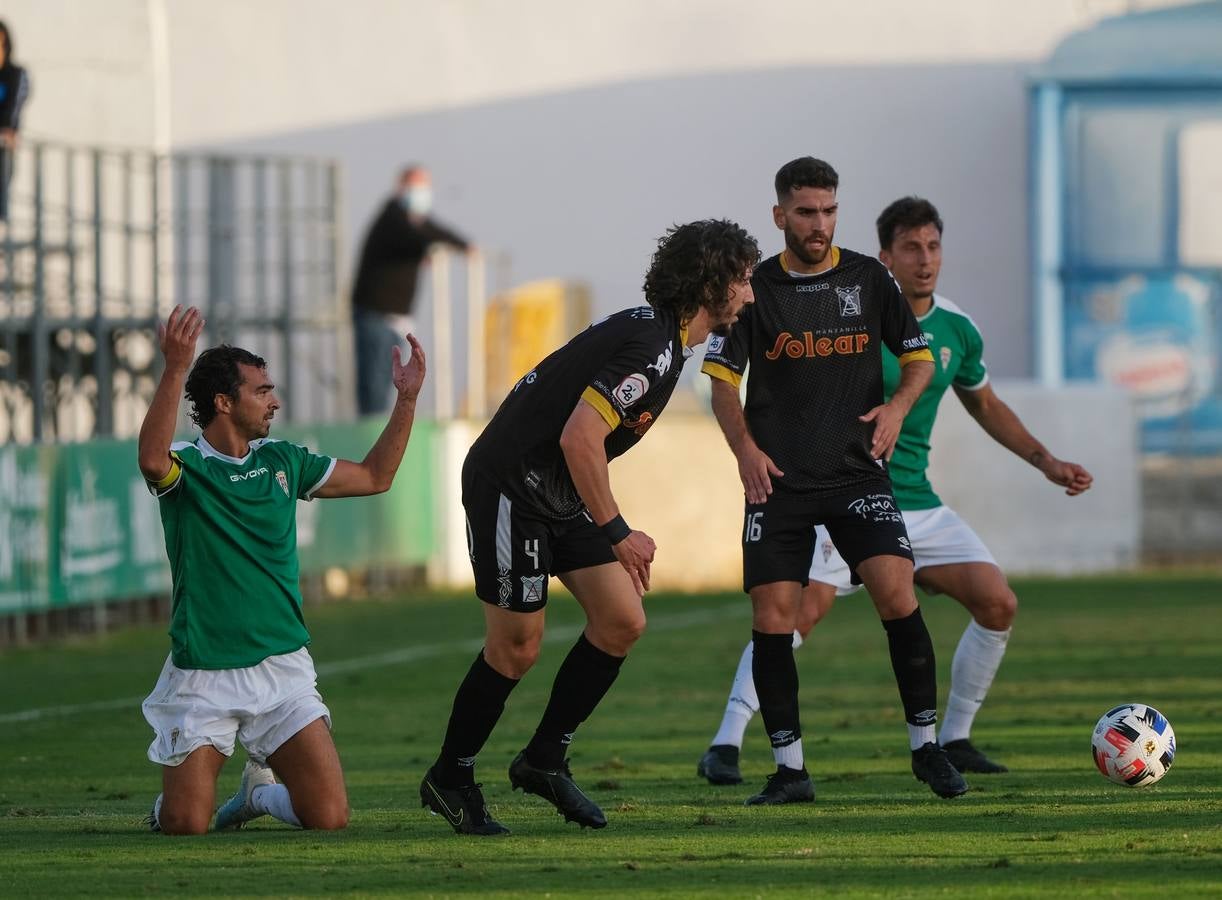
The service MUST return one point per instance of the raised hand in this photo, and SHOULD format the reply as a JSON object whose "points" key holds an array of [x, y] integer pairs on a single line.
{"points": [[409, 376], [177, 337]]}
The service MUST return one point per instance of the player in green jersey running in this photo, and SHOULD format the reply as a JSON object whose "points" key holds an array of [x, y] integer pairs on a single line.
{"points": [[239, 669], [949, 557]]}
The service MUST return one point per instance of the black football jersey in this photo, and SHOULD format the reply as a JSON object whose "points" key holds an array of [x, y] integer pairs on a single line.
{"points": [[813, 344], [625, 366]]}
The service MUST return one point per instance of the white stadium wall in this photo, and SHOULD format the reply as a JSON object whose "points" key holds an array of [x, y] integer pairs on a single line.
{"points": [[566, 136], [681, 486]]}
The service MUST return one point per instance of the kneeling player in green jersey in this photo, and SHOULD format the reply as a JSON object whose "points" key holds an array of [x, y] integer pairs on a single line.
{"points": [[538, 502], [238, 669], [949, 557]]}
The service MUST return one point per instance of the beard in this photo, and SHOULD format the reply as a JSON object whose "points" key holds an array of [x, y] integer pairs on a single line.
{"points": [[798, 248], [722, 330]]}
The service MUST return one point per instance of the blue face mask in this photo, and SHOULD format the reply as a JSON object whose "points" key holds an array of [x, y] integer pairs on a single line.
{"points": [[418, 199]]}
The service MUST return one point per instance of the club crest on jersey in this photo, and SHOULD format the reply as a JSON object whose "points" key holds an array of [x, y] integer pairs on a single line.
{"points": [[283, 481], [662, 366], [631, 389], [640, 424], [828, 547], [532, 588], [945, 354], [850, 300]]}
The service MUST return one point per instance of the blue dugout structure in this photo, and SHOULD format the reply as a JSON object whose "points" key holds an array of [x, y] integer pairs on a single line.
{"points": [[1127, 218]]}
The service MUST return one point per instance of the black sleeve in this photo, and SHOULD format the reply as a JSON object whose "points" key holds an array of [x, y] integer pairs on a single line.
{"points": [[901, 332], [436, 233], [628, 375], [726, 358]]}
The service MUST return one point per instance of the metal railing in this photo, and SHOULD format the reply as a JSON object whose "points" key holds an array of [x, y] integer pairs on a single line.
{"points": [[101, 243]]}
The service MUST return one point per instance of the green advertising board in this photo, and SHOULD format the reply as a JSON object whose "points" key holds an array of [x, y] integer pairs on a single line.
{"points": [[79, 526]]}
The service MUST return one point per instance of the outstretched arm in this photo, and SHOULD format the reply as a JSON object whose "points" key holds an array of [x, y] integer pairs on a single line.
{"points": [[177, 338], [1004, 426], [376, 472], [585, 454], [755, 467]]}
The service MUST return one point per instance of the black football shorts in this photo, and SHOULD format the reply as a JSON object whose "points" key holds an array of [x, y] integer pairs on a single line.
{"points": [[779, 536], [514, 549]]}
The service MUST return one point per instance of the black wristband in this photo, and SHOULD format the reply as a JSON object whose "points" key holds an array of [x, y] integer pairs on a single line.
{"points": [[616, 530]]}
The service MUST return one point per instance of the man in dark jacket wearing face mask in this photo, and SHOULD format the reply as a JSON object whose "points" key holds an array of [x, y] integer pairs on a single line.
{"points": [[385, 289]]}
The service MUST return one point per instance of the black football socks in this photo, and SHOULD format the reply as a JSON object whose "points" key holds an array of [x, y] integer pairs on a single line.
{"points": [[478, 705], [776, 683], [583, 679], [915, 672]]}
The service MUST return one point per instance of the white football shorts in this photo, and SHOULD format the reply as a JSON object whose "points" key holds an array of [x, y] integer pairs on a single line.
{"points": [[262, 706], [938, 536]]}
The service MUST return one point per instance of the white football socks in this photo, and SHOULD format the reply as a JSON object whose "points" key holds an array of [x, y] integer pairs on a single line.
{"points": [[157, 809], [976, 661], [274, 800], [744, 702], [790, 756], [920, 735]]}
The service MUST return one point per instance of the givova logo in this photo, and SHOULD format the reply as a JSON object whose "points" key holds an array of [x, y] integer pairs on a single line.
{"points": [[253, 473]]}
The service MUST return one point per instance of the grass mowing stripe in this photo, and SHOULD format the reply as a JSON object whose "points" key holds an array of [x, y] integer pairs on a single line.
{"points": [[388, 658]]}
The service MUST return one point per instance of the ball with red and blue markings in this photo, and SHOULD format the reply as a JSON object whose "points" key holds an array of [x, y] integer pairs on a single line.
{"points": [[1133, 745]]}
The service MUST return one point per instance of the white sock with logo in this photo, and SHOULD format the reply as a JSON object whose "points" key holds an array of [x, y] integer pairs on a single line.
{"points": [[274, 800], [976, 661], [744, 702], [789, 756]]}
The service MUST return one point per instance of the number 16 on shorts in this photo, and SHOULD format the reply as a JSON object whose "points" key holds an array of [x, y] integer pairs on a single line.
{"points": [[753, 527]]}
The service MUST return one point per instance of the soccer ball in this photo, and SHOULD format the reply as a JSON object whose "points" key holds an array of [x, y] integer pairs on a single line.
{"points": [[1133, 745]]}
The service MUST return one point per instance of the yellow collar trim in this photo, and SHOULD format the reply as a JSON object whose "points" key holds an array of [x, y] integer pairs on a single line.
{"points": [[835, 261]]}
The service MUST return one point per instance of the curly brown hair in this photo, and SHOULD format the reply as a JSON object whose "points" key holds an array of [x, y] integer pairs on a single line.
{"points": [[216, 372], [696, 263]]}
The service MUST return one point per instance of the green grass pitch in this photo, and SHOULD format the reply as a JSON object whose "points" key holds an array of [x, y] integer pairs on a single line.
{"points": [[74, 782]]}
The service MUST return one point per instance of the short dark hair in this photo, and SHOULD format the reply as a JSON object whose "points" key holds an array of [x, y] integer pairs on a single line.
{"points": [[216, 372], [695, 265], [805, 171], [905, 214]]}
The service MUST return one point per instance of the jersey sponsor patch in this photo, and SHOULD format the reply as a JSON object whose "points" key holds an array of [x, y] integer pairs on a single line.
{"points": [[716, 342], [631, 389]]}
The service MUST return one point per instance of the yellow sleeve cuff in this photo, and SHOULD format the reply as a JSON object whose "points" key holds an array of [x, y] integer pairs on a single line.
{"points": [[916, 356], [605, 409], [721, 373]]}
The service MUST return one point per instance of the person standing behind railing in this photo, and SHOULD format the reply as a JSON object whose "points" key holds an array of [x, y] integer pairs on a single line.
{"points": [[384, 293], [14, 89]]}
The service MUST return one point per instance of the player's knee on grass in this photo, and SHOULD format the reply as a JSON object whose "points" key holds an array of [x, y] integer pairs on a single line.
{"points": [[329, 815], [184, 821]]}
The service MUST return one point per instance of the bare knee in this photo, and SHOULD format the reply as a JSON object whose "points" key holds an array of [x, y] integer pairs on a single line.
{"points": [[617, 637], [327, 817], [996, 610], [512, 658], [183, 822]]}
